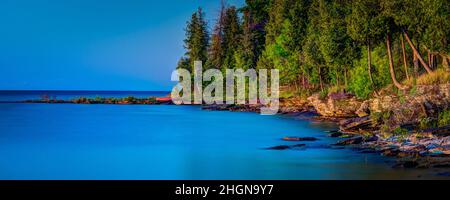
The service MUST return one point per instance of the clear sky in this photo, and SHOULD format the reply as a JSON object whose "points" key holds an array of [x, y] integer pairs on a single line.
{"points": [[94, 44]]}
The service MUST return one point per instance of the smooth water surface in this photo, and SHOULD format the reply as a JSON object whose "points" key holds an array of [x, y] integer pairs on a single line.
{"points": [[21, 95], [69, 141]]}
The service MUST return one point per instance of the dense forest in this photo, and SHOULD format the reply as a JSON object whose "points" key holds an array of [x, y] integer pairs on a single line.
{"points": [[357, 46]]}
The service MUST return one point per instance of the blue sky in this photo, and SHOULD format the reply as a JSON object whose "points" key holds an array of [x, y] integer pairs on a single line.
{"points": [[94, 44]]}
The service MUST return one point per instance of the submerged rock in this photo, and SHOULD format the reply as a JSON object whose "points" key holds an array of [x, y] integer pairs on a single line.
{"points": [[298, 145], [335, 134], [285, 147], [299, 139], [280, 147]]}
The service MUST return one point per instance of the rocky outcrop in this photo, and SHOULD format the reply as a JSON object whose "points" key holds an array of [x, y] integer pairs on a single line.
{"points": [[357, 125], [406, 108], [341, 105], [295, 105], [424, 101]]}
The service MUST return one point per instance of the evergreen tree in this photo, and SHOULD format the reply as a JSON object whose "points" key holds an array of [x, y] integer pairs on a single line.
{"points": [[258, 14], [245, 55], [197, 38], [231, 37], [216, 50], [366, 25], [314, 59], [336, 45], [324, 43]]}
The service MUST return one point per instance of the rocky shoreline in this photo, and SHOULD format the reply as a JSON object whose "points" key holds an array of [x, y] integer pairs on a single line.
{"points": [[390, 124]]}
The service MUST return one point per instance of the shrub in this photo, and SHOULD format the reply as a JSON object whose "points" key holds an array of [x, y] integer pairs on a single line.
{"points": [[400, 132], [323, 94], [359, 82], [444, 118], [427, 122], [376, 117]]}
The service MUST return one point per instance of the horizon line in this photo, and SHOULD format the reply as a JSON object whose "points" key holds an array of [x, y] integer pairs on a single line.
{"points": [[71, 90]]}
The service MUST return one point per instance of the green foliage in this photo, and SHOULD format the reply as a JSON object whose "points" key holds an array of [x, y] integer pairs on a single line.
{"points": [[427, 122], [231, 37], [359, 82], [183, 63], [376, 117], [366, 23], [386, 116], [129, 99], [400, 132], [323, 94], [444, 118], [322, 45], [197, 39]]}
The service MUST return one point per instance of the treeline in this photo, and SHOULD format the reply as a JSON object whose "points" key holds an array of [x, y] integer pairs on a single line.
{"points": [[323, 45]]}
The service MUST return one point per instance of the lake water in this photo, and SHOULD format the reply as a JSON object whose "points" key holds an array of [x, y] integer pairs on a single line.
{"points": [[68, 141]]}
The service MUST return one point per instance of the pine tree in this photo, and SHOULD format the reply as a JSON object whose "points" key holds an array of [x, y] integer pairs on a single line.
{"points": [[258, 14], [197, 38], [245, 55], [216, 50], [231, 37], [337, 47], [367, 25]]}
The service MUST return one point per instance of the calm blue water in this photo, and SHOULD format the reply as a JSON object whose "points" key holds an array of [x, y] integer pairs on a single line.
{"points": [[6, 96], [65, 141]]}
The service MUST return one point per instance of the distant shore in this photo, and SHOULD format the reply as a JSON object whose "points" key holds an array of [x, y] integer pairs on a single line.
{"points": [[101, 100]]}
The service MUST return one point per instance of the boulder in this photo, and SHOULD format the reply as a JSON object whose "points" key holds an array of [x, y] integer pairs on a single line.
{"points": [[411, 106], [439, 132], [340, 105], [363, 110], [356, 124]]}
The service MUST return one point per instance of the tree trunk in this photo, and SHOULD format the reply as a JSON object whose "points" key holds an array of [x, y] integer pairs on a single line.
{"points": [[445, 62], [345, 77], [405, 62], [432, 66], [320, 79], [337, 78], [417, 53], [369, 65], [296, 85], [391, 64], [434, 61], [416, 65], [303, 81]]}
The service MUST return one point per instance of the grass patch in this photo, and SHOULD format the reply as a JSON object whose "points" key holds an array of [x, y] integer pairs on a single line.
{"points": [[439, 76]]}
